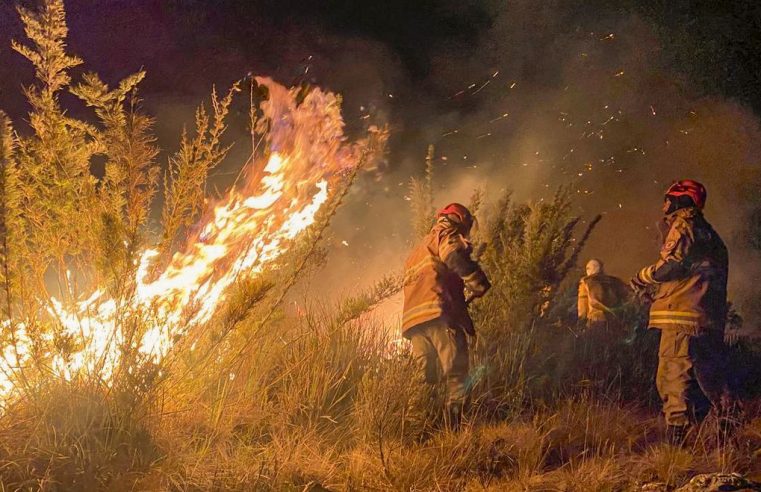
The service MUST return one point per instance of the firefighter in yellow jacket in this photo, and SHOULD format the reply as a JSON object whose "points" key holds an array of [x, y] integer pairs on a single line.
{"points": [[600, 302], [435, 317], [600, 296], [688, 290]]}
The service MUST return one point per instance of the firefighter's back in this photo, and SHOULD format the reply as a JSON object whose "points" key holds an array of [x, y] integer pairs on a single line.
{"points": [[421, 283]]}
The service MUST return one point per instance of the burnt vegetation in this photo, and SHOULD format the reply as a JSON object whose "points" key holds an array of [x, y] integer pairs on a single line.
{"points": [[269, 401]]}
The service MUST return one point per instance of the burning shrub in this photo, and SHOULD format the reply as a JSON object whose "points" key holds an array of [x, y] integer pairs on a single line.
{"points": [[141, 327]]}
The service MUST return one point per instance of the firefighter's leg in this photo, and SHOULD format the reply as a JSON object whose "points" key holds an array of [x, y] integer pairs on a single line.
{"points": [[674, 378], [425, 354], [596, 350], [452, 347]]}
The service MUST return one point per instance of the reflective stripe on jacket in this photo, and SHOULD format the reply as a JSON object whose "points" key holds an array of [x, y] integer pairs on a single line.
{"points": [[435, 276], [690, 276]]}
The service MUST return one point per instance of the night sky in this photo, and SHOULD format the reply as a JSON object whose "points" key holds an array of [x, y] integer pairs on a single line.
{"points": [[187, 45], [617, 97]]}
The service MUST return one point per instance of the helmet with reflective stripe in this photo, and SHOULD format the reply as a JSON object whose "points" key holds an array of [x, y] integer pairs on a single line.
{"points": [[457, 213], [690, 188]]}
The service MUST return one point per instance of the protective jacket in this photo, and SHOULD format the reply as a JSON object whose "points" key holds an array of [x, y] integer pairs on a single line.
{"points": [[600, 296], [436, 273], [690, 277]]}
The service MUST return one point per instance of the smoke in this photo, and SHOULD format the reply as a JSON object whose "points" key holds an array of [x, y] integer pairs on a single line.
{"points": [[529, 96], [549, 96]]}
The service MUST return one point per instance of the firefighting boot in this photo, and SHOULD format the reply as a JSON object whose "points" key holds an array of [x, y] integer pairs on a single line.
{"points": [[676, 435]]}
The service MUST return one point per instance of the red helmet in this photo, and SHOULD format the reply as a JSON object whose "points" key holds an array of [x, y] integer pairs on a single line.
{"points": [[690, 188], [461, 212]]}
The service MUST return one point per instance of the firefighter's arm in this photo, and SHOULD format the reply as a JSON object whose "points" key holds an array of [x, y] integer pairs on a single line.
{"points": [[673, 262], [455, 251], [583, 302]]}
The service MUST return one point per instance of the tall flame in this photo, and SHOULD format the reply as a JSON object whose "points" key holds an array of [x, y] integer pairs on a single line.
{"points": [[252, 226]]}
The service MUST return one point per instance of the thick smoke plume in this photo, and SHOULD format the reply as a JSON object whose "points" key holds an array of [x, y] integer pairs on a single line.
{"points": [[547, 98]]}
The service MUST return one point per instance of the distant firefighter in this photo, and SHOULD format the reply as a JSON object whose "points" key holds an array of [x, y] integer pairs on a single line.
{"points": [[688, 290], [601, 296], [435, 317]]}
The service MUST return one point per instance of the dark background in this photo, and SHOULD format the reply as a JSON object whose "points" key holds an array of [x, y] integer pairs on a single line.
{"points": [[716, 43]]}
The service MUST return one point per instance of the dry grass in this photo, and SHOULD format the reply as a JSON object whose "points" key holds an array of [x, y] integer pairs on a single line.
{"points": [[668, 464]]}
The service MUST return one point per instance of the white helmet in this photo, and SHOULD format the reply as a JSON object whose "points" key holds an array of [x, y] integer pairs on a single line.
{"points": [[594, 266]]}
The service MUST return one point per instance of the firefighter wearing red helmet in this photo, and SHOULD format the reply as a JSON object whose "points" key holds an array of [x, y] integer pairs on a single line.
{"points": [[435, 315], [688, 290]]}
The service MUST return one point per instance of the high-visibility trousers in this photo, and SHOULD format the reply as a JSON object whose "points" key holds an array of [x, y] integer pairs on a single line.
{"points": [[692, 375], [441, 353]]}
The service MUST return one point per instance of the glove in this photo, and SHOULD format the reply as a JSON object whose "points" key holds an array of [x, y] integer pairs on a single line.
{"points": [[637, 285], [477, 283], [642, 290]]}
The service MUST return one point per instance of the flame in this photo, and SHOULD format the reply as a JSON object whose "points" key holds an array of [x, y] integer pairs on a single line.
{"points": [[252, 226]]}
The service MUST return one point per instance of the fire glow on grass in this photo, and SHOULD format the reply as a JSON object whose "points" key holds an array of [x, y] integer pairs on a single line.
{"points": [[252, 226]]}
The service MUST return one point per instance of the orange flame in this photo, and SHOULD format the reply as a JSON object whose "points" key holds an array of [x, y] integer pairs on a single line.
{"points": [[252, 226]]}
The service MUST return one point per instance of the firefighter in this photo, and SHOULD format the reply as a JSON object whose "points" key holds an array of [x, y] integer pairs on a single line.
{"points": [[688, 290], [601, 297], [435, 315]]}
